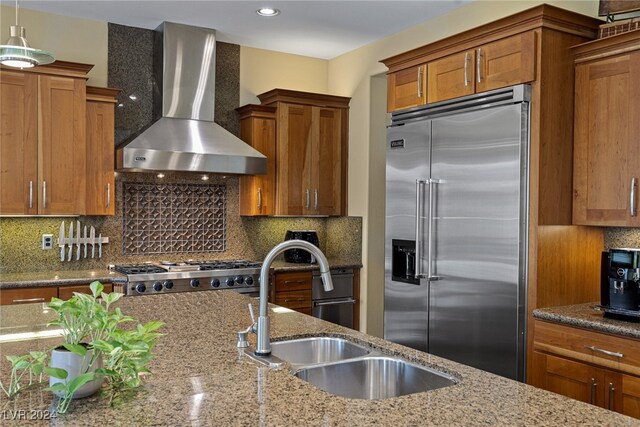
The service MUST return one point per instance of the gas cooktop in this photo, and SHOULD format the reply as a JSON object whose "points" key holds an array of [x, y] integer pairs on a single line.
{"points": [[190, 275]]}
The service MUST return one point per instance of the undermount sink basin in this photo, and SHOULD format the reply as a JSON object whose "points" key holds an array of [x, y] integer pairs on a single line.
{"points": [[309, 351], [374, 378]]}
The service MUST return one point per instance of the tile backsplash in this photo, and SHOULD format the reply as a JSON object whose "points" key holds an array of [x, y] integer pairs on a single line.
{"points": [[173, 218]]}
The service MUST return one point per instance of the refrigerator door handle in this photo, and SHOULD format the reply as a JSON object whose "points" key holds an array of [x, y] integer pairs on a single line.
{"points": [[430, 251], [419, 184]]}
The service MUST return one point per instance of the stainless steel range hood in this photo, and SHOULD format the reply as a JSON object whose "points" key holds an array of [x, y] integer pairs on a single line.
{"points": [[185, 137]]}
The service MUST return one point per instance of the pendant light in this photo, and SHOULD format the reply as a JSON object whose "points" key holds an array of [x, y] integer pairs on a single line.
{"points": [[17, 53]]}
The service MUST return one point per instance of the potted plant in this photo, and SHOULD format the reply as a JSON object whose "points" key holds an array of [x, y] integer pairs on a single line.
{"points": [[95, 348]]}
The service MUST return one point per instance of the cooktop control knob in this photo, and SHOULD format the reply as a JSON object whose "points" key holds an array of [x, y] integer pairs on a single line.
{"points": [[157, 286], [168, 284], [215, 283], [140, 287], [230, 282], [249, 281], [239, 280], [194, 283]]}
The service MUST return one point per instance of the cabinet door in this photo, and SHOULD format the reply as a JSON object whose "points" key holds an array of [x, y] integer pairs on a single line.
{"points": [[568, 378], [622, 393], [505, 62], [18, 143], [100, 159], [257, 192], [66, 292], [326, 176], [28, 295], [451, 77], [606, 148], [62, 145], [407, 88], [294, 159]]}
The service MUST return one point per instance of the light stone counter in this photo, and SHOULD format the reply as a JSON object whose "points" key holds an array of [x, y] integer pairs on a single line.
{"points": [[56, 278], [199, 378]]}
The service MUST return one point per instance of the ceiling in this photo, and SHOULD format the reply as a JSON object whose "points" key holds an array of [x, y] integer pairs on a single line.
{"points": [[320, 29]]}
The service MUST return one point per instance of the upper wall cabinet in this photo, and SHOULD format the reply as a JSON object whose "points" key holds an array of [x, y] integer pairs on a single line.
{"points": [[42, 140], [407, 88], [100, 125], [607, 132], [311, 146]]}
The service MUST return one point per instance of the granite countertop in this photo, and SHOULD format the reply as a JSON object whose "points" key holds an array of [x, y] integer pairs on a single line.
{"points": [[200, 378], [584, 316], [282, 266], [56, 278]]}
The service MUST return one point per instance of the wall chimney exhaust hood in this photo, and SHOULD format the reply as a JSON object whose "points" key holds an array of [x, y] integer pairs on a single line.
{"points": [[185, 137]]}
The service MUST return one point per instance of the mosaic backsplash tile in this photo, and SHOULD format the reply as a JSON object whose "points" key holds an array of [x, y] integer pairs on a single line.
{"points": [[173, 218]]}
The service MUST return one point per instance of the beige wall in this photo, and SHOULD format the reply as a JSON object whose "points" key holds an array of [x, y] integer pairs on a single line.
{"points": [[262, 70], [350, 75], [69, 39]]}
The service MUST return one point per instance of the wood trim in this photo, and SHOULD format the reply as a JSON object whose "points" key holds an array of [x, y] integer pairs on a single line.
{"points": [[306, 98], [609, 46], [540, 16], [102, 94], [58, 68], [257, 111]]}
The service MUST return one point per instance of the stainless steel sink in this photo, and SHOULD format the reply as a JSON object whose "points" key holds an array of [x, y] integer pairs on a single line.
{"points": [[310, 351], [374, 378]]}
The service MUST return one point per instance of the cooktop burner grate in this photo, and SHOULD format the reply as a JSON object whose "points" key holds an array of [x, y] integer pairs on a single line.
{"points": [[139, 269]]}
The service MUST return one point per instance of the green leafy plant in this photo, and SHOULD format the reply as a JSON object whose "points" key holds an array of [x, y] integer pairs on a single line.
{"points": [[89, 323]]}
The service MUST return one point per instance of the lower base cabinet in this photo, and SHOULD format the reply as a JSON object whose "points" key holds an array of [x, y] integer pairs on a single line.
{"points": [[588, 376], [43, 294]]}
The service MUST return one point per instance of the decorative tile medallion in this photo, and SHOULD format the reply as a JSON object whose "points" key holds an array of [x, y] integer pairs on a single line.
{"points": [[173, 218]]}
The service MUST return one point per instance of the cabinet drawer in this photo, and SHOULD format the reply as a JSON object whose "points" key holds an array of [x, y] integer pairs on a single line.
{"points": [[293, 281], [622, 354], [294, 299], [66, 292], [27, 295]]}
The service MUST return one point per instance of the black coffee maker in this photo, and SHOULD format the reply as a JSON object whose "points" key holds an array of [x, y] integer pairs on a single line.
{"points": [[300, 255], [620, 283]]}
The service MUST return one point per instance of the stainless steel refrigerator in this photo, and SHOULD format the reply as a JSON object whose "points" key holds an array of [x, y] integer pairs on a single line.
{"points": [[456, 229]]}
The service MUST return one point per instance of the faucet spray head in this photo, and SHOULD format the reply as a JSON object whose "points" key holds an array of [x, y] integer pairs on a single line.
{"points": [[326, 280]]}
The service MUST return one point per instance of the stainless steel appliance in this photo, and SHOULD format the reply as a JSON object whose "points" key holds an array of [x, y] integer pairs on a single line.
{"points": [[620, 284], [456, 229], [299, 255], [168, 277], [335, 306]]}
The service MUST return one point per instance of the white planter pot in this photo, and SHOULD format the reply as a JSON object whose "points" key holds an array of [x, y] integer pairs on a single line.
{"points": [[76, 365]]}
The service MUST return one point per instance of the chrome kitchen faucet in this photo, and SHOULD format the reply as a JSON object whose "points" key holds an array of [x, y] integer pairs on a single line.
{"points": [[261, 327]]}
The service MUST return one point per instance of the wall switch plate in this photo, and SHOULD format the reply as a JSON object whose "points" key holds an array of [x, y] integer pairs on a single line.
{"points": [[47, 241]]}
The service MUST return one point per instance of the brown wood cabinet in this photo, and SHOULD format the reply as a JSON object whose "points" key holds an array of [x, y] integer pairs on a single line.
{"points": [[311, 152], [44, 294], [258, 129], [43, 140], [407, 88], [573, 362], [293, 290], [607, 107], [66, 292], [100, 123]]}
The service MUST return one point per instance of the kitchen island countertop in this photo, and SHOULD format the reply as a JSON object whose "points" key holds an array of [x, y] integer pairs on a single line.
{"points": [[55, 278], [200, 378], [584, 316]]}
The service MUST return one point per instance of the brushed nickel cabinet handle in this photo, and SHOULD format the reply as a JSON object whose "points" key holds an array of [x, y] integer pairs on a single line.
{"points": [[28, 300], [291, 282], [259, 198], [607, 352], [612, 389], [593, 391], [632, 197], [294, 300], [30, 194], [108, 195], [479, 56], [466, 63], [315, 199], [420, 82], [44, 194], [308, 198]]}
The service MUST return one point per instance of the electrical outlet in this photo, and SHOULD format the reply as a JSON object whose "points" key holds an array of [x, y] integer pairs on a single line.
{"points": [[47, 241]]}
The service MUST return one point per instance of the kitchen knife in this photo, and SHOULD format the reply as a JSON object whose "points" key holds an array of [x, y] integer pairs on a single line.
{"points": [[61, 242], [100, 245], [86, 243], [78, 240], [92, 240], [70, 241]]}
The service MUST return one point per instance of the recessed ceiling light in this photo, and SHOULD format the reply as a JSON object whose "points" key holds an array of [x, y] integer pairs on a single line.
{"points": [[267, 11]]}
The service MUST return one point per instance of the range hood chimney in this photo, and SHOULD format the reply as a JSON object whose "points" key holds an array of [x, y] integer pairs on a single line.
{"points": [[185, 137]]}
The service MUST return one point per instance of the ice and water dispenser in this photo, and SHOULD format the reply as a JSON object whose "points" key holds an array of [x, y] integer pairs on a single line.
{"points": [[403, 261]]}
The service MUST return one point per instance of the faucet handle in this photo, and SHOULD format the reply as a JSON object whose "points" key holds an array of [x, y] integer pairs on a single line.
{"points": [[252, 314]]}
